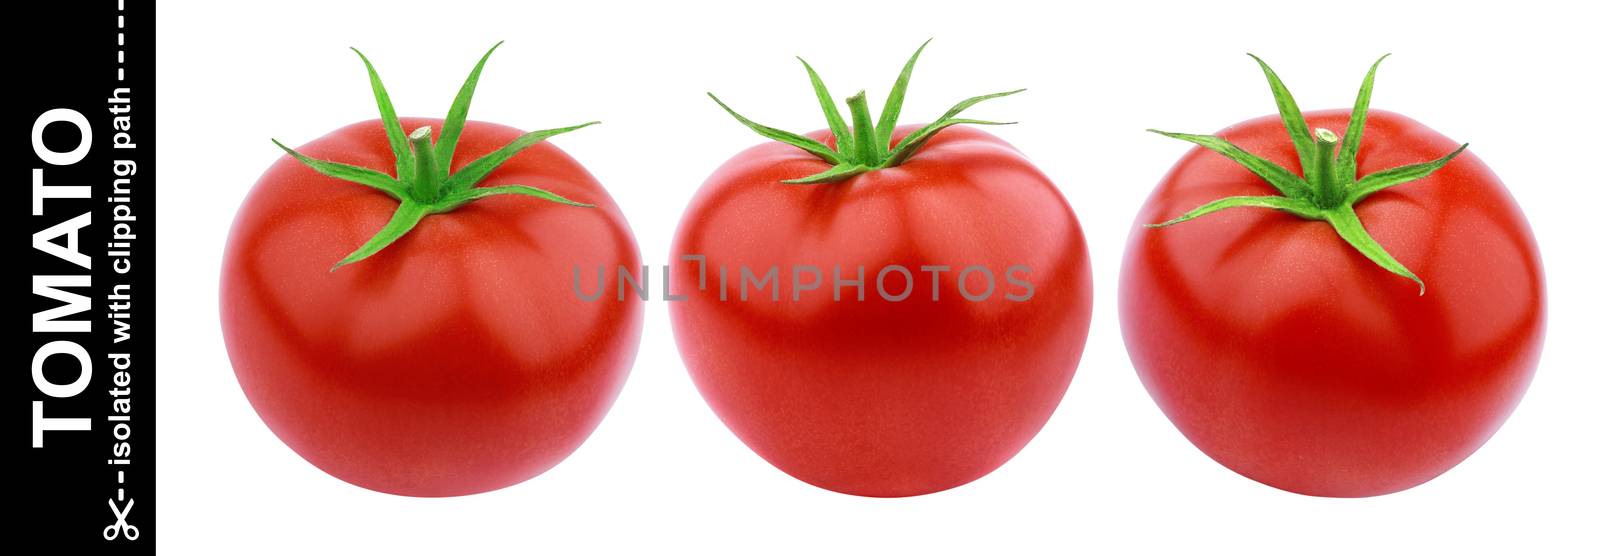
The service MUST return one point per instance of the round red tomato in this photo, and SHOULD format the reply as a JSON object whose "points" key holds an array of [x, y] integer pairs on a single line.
{"points": [[864, 394], [456, 360], [446, 352], [922, 298], [1286, 355]]}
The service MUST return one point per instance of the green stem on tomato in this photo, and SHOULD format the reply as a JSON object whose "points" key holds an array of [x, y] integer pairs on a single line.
{"points": [[425, 184], [422, 182], [864, 148], [1328, 191], [1328, 188], [866, 141]]}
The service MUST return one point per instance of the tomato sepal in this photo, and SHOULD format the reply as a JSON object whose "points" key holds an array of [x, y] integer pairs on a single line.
{"points": [[1345, 221], [422, 183], [457, 199], [1278, 177], [1378, 181], [403, 161], [1328, 188], [351, 173], [475, 171], [1297, 207], [456, 118], [860, 145], [403, 220]]}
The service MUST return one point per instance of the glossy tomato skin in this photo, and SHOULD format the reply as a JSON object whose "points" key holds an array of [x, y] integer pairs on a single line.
{"points": [[1288, 357], [457, 360], [873, 397]]}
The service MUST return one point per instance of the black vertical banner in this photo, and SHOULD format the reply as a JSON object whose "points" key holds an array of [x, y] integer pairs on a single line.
{"points": [[82, 417]]}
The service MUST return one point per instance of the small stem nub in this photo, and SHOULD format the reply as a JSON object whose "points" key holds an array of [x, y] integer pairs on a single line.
{"points": [[866, 139], [1326, 189], [425, 184]]}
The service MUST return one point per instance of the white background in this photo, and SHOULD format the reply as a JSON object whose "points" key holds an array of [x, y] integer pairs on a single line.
{"points": [[1109, 473]]}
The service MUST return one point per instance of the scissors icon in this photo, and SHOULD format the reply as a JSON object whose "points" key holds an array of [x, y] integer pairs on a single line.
{"points": [[121, 526]]}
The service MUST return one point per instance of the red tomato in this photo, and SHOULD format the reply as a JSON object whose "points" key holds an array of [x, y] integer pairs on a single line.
{"points": [[876, 397], [1287, 356], [457, 359]]}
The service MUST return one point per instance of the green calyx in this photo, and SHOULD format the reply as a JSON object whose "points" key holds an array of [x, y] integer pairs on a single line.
{"points": [[1329, 189], [422, 182], [863, 146]]}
